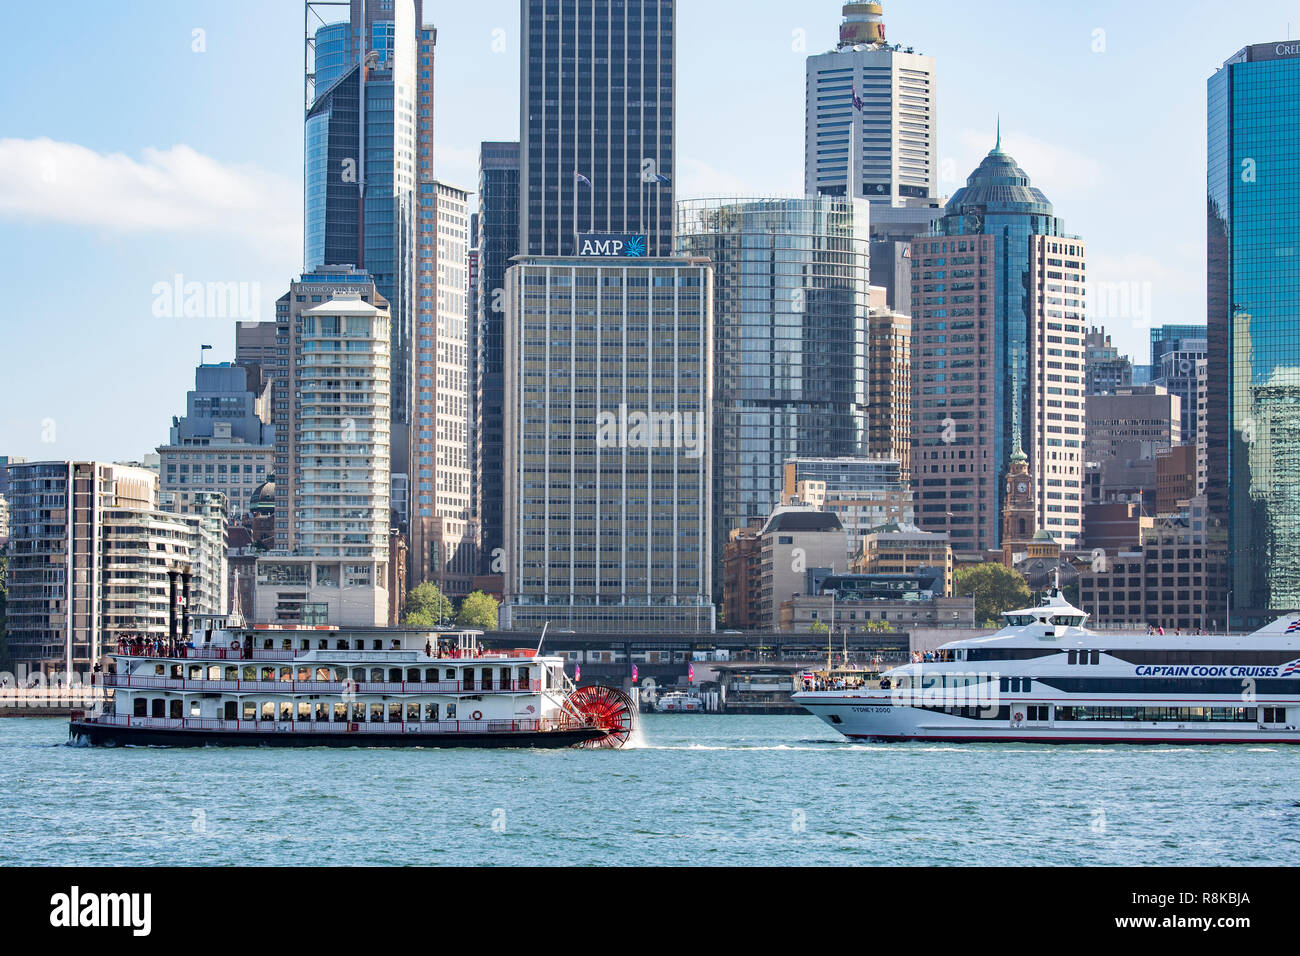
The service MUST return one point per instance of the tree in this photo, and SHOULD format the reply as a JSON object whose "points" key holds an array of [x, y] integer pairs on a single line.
{"points": [[819, 628], [427, 607], [478, 611], [996, 589]]}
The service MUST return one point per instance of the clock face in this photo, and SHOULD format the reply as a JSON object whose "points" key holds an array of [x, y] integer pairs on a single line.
{"points": [[1022, 487]]}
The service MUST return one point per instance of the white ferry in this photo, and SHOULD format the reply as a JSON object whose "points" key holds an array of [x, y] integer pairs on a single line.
{"points": [[677, 702], [310, 686], [1045, 678]]}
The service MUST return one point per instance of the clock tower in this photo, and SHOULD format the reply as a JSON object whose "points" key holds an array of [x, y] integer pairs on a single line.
{"points": [[1019, 514]]}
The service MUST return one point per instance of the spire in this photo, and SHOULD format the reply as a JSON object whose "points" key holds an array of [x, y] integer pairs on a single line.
{"points": [[997, 150]]}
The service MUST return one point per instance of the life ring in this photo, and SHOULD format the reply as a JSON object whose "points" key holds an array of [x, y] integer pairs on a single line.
{"points": [[477, 715], [1019, 717]]}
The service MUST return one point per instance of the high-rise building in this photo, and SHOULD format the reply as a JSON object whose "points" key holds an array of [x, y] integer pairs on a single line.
{"points": [[360, 205], [1185, 373], [790, 318], [1253, 400], [498, 242], [997, 359], [332, 513], [597, 123], [1173, 338], [888, 153], [443, 526], [889, 387], [864, 493], [92, 556], [1107, 370], [608, 353], [224, 443], [1134, 423], [607, 459]]}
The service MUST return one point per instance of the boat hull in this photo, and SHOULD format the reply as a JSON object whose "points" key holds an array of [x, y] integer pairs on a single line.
{"points": [[103, 735]]}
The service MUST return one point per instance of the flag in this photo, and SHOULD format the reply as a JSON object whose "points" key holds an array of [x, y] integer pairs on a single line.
{"points": [[634, 674], [690, 674], [663, 180], [577, 672], [858, 103], [583, 179]]}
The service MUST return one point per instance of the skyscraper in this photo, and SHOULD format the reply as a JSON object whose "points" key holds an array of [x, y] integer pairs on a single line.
{"points": [[1253, 393], [607, 352], [790, 318], [998, 359], [498, 203], [332, 510], [883, 147], [598, 130], [360, 203]]}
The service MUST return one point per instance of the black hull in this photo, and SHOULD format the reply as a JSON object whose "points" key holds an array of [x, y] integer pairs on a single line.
{"points": [[98, 735]]}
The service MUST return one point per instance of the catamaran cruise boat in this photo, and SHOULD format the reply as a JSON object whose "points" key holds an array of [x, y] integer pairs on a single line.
{"points": [[1045, 678], [319, 686]]}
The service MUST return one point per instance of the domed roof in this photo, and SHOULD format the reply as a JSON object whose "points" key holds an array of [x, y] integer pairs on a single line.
{"points": [[263, 496], [998, 185]]}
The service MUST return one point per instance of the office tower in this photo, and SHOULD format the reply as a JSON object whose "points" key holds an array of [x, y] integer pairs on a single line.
{"points": [[1107, 370], [223, 443], [598, 132], [888, 149], [498, 223], [332, 456], [608, 354], [1253, 400], [889, 387], [607, 464], [1174, 338], [998, 359], [91, 557], [255, 344], [790, 319], [443, 529], [360, 204], [1185, 372], [1134, 423]]}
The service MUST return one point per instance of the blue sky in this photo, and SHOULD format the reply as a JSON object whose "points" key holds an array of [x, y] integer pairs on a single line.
{"points": [[134, 149]]}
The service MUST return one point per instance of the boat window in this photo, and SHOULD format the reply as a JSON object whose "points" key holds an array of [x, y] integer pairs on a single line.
{"points": [[451, 711], [431, 712], [376, 713], [469, 678], [176, 671], [1073, 657], [286, 675], [413, 675], [158, 707], [412, 712], [268, 710], [250, 710], [304, 710], [304, 673], [505, 678], [323, 674], [487, 678], [358, 713], [377, 675], [431, 675], [286, 710], [141, 707], [1096, 657], [158, 669], [249, 672], [379, 646], [175, 708], [194, 708], [322, 712], [196, 672], [340, 713], [394, 675], [394, 713], [232, 673], [231, 710], [525, 679], [450, 674]]}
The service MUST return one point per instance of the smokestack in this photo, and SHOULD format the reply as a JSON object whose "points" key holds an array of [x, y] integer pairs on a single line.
{"points": [[185, 605], [171, 604]]}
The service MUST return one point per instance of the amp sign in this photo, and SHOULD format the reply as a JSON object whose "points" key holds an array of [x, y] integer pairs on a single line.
{"points": [[611, 245]]}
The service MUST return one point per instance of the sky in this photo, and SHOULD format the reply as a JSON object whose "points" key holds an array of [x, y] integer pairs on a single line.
{"points": [[155, 143]]}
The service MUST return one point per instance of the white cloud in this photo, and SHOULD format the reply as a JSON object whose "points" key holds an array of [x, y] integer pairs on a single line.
{"points": [[176, 190]]}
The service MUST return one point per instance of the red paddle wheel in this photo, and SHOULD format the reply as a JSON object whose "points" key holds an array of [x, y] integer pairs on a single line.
{"points": [[607, 708]]}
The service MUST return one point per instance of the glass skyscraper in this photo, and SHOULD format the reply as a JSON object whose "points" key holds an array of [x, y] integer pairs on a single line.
{"points": [[1253, 323], [360, 142], [498, 243], [597, 102], [790, 319]]}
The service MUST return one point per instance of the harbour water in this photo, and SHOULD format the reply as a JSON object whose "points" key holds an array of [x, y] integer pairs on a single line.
{"points": [[711, 790]]}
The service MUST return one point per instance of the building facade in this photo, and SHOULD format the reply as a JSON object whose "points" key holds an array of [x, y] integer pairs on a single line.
{"points": [[1107, 370], [791, 320], [92, 556], [998, 358], [597, 84], [1135, 423], [498, 243], [224, 443]]}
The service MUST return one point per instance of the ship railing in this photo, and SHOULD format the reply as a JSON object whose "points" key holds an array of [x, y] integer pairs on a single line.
{"points": [[149, 682], [525, 725], [237, 653]]}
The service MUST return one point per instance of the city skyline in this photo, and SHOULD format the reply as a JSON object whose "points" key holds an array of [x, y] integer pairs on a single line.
{"points": [[232, 209]]}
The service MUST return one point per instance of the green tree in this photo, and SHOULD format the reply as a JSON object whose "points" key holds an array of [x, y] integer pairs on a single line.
{"points": [[996, 589], [427, 607], [819, 627], [479, 611]]}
